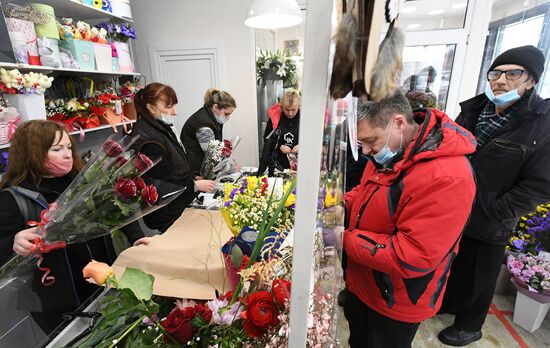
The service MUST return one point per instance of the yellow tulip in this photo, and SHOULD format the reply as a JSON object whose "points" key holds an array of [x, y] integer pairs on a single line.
{"points": [[290, 200], [252, 182], [330, 198], [99, 272]]}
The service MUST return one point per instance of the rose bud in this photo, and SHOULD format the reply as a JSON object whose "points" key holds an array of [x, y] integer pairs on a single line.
{"points": [[140, 184], [150, 194], [125, 188], [99, 272], [112, 148], [142, 162]]}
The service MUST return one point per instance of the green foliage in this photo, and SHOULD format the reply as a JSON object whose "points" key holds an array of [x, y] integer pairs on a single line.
{"points": [[138, 282], [278, 64]]}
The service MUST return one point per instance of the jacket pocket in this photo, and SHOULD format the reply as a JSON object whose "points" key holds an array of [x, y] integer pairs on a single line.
{"points": [[512, 147], [384, 284]]}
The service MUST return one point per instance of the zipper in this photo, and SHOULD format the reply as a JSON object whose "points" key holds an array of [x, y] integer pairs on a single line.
{"points": [[512, 146], [376, 245], [362, 209]]}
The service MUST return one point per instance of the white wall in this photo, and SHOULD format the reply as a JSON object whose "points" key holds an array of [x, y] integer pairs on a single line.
{"points": [[176, 21]]}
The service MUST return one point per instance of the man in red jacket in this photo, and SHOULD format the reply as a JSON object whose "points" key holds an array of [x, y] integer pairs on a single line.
{"points": [[405, 219]]}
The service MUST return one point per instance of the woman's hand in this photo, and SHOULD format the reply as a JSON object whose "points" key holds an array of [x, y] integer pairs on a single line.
{"points": [[205, 185], [285, 149], [143, 241], [295, 149], [23, 241]]}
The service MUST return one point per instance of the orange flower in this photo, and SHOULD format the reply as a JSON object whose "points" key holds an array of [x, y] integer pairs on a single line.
{"points": [[99, 272]]}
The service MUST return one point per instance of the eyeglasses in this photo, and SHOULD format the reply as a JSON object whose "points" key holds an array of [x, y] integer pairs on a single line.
{"points": [[513, 74]]}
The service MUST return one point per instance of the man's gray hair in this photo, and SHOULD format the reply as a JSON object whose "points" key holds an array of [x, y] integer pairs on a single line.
{"points": [[379, 114]]}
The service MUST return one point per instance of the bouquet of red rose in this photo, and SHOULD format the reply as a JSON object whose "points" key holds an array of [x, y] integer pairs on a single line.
{"points": [[107, 195]]}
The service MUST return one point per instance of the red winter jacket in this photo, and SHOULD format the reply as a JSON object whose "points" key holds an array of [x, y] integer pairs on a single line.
{"points": [[405, 223]]}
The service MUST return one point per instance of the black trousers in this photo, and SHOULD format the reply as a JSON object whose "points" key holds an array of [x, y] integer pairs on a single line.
{"points": [[472, 282], [368, 329]]}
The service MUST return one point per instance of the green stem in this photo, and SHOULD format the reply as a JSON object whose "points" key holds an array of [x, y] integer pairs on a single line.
{"points": [[263, 232], [136, 323]]}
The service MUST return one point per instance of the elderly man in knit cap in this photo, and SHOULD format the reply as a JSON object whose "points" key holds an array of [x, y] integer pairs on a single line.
{"points": [[511, 124]]}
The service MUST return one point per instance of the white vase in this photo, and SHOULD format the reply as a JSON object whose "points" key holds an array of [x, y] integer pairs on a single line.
{"points": [[529, 313], [30, 106]]}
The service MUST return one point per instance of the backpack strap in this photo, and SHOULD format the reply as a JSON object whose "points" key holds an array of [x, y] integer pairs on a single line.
{"points": [[30, 203]]}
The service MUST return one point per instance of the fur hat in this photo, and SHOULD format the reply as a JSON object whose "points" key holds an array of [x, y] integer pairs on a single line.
{"points": [[529, 57]]}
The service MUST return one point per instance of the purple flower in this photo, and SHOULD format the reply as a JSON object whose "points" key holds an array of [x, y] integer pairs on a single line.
{"points": [[223, 315], [519, 244], [227, 204], [233, 193]]}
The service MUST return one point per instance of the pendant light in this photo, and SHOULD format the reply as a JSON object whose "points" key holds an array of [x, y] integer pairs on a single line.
{"points": [[273, 14]]}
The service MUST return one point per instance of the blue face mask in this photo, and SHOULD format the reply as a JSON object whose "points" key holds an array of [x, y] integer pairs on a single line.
{"points": [[221, 119], [385, 155], [502, 100]]}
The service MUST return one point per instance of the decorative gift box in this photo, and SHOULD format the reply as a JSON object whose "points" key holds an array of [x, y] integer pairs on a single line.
{"points": [[103, 58], [30, 106], [82, 51], [27, 28]]}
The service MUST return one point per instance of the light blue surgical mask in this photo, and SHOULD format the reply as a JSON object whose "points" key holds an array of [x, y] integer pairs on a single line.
{"points": [[502, 100], [221, 119], [385, 155], [169, 120]]}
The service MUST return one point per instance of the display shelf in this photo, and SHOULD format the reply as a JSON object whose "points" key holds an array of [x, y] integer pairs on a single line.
{"points": [[59, 71], [102, 127], [78, 11]]}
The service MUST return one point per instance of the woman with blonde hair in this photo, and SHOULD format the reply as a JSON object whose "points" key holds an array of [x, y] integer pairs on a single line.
{"points": [[281, 133], [205, 125]]}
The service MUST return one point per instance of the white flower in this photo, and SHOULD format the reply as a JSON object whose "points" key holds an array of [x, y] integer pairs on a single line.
{"points": [[281, 71]]}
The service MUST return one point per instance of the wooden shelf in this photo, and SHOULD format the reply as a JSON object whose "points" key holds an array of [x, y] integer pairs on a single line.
{"points": [[102, 127], [59, 71], [79, 12]]}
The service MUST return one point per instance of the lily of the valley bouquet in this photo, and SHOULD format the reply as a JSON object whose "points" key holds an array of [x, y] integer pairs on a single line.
{"points": [[108, 194], [215, 159]]}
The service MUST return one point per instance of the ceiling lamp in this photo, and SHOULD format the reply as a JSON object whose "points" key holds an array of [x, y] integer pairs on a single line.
{"points": [[273, 14]]}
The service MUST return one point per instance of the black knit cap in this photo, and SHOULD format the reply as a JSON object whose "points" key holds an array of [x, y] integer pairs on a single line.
{"points": [[529, 57]]}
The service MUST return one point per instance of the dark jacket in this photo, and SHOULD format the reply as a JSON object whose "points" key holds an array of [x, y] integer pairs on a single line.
{"points": [[157, 140], [512, 168], [70, 289], [200, 119], [405, 222], [280, 130]]}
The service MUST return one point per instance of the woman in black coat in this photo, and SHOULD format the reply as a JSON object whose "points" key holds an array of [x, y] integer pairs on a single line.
{"points": [[205, 125], [43, 162], [156, 108]]}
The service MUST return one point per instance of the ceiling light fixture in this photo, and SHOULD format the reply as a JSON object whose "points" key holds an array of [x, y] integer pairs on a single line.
{"points": [[460, 5], [273, 14], [413, 26]]}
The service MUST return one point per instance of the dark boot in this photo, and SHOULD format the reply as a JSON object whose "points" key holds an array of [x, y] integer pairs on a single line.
{"points": [[452, 336]]}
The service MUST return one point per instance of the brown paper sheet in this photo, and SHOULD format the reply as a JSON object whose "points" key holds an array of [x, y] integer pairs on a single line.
{"points": [[186, 260]]}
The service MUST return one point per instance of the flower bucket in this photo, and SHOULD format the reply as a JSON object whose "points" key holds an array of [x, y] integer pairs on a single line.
{"points": [[130, 111], [531, 307], [30, 106]]}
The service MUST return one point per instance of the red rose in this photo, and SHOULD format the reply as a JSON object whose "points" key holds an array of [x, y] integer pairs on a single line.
{"points": [[142, 162], [228, 295], [125, 188], [112, 148], [260, 315], [140, 184], [204, 312], [281, 291], [265, 185], [104, 99], [178, 324], [121, 161], [150, 194]]}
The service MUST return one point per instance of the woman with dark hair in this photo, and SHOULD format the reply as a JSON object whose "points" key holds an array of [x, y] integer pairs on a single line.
{"points": [[156, 107], [43, 162], [205, 125]]}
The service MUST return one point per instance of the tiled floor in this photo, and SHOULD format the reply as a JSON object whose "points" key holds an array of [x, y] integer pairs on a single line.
{"points": [[495, 333]]}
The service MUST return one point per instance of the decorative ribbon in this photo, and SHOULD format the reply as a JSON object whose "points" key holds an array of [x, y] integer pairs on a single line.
{"points": [[12, 126], [39, 247]]}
